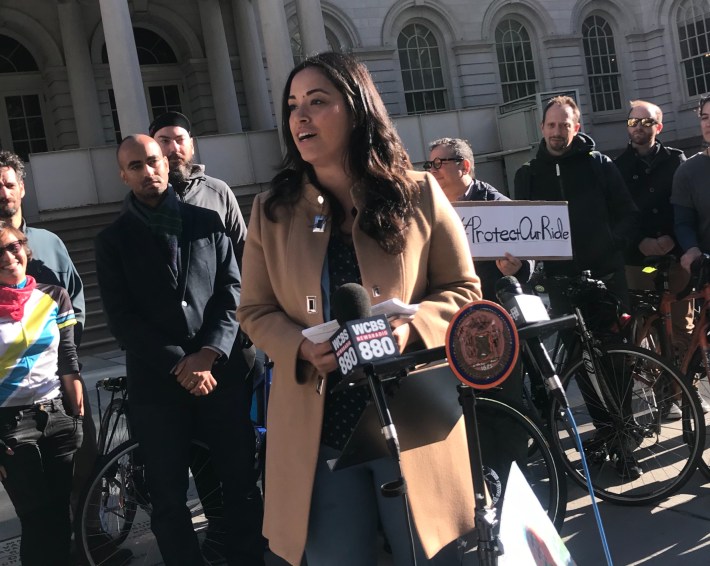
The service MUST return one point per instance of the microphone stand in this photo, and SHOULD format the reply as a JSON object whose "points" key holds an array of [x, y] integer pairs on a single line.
{"points": [[489, 545], [397, 487]]}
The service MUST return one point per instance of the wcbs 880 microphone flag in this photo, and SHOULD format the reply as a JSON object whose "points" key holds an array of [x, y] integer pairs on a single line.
{"points": [[361, 339]]}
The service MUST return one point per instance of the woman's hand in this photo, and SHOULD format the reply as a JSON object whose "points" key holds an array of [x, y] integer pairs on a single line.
{"points": [[320, 356], [73, 394], [401, 330]]}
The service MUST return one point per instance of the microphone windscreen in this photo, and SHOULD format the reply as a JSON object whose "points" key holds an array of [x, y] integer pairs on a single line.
{"points": [[350, 302], [507, 286]]}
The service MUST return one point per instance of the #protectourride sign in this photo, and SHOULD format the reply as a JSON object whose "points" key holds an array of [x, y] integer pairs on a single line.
{"points": [[525, 229]]}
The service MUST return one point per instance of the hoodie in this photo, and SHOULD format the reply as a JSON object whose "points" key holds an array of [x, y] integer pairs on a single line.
{"points": [[603, 216]]}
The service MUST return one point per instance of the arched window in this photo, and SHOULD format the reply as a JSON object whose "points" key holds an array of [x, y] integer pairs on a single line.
{"points": [[21, 121], [163, 93], [14, 57], [694, 35], [515, 60], [152, 49], [602, 65], [422, 75], [297, 45]]}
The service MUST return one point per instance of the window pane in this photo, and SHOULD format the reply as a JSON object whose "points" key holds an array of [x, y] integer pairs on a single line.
{"points": [[14, 57], [601, 64], [515, 60], [694, 39], [25, 127], [422, 74]]}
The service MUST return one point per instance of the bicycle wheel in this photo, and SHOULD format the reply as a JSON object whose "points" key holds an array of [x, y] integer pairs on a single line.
{"points": [[698, 378], [114, 429], [667, 451], [113, 522], [506, 435]]}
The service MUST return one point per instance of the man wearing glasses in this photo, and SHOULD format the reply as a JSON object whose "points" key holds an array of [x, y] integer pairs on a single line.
{"points": [[647, 167], [452, 165]]}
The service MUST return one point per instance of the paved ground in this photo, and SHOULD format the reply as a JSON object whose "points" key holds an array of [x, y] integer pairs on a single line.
{"points": [[674, 532]]}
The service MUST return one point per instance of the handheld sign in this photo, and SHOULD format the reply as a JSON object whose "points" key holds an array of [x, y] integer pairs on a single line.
{"points": [[526, 229]]}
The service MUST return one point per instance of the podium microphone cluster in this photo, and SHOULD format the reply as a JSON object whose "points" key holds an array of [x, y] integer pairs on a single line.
{"points": [[360, 341], [527, 309]]}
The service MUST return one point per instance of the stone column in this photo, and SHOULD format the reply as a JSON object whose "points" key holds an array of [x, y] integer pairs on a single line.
{"points": [[125, 71], [256, 90], [80, 73], [312, 28], [279, 59], [224, 94]]}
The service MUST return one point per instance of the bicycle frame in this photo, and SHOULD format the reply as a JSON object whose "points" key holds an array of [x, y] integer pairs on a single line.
{"points": [[698, 339]]}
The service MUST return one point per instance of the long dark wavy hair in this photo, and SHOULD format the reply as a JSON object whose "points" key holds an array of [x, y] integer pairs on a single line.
{"points": [[376, 158]]}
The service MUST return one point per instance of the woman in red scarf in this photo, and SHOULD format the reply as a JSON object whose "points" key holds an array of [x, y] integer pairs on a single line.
{"points": [[41, 404]]}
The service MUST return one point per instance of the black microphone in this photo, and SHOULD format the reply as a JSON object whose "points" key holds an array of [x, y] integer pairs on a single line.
{"points": [[362, 339], [524, 310], [350, 302]]}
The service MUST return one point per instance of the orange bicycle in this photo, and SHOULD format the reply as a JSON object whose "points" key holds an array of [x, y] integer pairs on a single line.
{"points": [[653, 329]]}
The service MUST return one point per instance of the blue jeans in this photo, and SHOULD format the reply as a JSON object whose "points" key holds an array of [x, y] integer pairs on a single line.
{"points": [[345, 506], [221, 420], [39, 478]]}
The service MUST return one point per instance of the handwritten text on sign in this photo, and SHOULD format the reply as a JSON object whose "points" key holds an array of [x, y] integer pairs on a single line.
{"points": [[526, 229]]}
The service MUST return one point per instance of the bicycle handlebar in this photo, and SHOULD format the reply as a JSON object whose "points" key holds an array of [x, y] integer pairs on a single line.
{"points": [[112, 383]]}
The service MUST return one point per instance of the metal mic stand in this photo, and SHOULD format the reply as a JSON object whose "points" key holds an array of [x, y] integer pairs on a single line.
{"points": [[399, 486], [489, 546]]}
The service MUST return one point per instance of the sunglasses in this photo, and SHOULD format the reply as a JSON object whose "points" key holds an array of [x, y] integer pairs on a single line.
{"points": [[438, 162], [646, 122], [13, 247]]}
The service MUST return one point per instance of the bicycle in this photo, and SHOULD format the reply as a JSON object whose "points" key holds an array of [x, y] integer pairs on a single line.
{"points": [[655, 331], [114, 513], [619, 395]]}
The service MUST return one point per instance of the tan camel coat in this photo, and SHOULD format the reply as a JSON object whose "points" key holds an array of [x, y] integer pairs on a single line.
{"points": [[282, 274]]}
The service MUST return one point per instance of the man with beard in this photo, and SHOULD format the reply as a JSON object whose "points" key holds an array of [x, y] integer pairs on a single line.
{"points": [[647, 167], [603, 224], [172, 132]]}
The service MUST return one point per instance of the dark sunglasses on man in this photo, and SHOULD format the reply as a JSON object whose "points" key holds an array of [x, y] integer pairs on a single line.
{"points": [[438, 162], [645, 122]]}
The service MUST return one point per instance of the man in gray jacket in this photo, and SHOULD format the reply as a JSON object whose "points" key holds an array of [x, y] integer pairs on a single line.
{"points": [[172, 132]]}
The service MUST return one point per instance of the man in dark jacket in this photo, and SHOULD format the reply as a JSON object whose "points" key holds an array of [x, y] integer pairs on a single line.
{"points": [[170, 287], [603, 222], [451, 163], [647, 167], [603, 216]]}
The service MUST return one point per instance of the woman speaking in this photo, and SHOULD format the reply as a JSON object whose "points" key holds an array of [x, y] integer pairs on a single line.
{"points": [[347, 209], [40, 404]]}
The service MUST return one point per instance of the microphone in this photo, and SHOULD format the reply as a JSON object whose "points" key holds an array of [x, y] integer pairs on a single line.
{"points": [[362, 339], [524, 310]]}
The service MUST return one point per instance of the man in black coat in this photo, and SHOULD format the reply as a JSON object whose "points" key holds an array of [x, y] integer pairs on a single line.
{"points": [[170, 286], [603, 224], [647, 167]]}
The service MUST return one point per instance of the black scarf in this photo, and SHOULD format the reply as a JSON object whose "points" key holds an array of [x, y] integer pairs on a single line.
{"points": [[164, 222]]}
